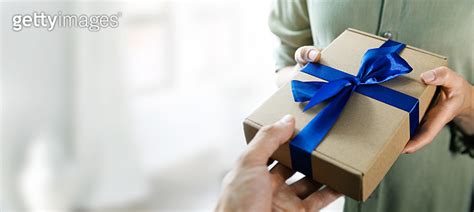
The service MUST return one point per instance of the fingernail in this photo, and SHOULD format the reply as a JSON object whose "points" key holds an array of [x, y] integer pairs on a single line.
{"points": [[313, 54], [287, 119], [428, 76]]}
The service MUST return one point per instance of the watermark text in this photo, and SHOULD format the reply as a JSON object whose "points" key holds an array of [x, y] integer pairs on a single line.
{"points": [[93, 23]]}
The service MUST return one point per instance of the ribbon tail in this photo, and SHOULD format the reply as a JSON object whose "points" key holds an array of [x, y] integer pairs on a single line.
{"points": [[304, 91], [313, 133], [327, 91]]}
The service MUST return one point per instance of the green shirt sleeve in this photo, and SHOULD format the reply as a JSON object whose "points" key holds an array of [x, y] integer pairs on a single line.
{"points": [[289, 21], [461, 142]]}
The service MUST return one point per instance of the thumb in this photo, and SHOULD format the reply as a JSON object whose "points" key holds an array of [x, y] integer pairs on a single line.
{"points": [[269, 138], [307, 54], [441, 76]]}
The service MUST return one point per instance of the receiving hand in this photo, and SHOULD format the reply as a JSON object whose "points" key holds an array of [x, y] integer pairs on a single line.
{"points": [[455, 102], [303, 55], [251, 187]]}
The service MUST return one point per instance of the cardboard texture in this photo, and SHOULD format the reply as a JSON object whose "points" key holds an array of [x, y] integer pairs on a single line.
{"points": [[369, 135]]}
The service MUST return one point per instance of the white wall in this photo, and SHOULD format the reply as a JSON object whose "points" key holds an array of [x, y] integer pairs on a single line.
{"points": [[146, 116]]}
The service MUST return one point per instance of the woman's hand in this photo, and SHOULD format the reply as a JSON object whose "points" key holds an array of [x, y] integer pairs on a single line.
{"points": [[454, 102], [251, 187], [303, 55]]}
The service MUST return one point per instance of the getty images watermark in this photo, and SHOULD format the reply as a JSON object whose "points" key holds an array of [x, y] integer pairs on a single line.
{"points": [[93, 23]]}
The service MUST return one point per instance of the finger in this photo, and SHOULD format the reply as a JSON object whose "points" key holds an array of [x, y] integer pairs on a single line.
{"points": [[281, 172], [304, 187], [268, 139], [441, 76], [284, 199], [307, 54], [321, 199], [434, 121]]}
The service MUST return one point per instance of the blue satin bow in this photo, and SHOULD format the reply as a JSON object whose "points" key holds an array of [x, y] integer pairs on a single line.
{"points": [[378, 65]]}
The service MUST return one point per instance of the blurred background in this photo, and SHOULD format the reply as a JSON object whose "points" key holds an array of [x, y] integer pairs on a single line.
{"points": [[144, 117]]}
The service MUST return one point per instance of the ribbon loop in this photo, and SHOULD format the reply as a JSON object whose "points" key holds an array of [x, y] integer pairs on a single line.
{"points": [[304, 91]]}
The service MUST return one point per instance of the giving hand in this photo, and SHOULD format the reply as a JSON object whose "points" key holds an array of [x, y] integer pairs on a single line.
{"points": [[251, 187]]}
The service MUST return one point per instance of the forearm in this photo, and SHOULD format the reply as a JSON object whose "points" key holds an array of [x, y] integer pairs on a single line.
{"points": [[466, 120]]}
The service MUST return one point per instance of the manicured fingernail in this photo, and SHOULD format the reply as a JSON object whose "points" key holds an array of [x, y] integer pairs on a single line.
{"points": [[287, 119], [428, 76], [313, 54]]}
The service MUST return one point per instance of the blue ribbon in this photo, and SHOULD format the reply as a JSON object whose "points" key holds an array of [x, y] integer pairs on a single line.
{"points": [[378, 65]]}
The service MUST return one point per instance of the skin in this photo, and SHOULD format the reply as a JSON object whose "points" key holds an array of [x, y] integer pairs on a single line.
{"points": [[455, 101], [250, 186]]}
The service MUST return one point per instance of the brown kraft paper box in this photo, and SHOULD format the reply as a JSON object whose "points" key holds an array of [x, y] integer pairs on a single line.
{"points": [[369, 135]]}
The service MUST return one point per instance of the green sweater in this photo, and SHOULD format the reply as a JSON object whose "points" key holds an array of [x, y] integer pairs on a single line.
{"points": [[434, 178]]}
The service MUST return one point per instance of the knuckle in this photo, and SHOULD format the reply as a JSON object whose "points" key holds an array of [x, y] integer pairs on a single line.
{"points": [[443, 72], [443, 68], [458, 79], [301, 54], [246, 159], [300, 51]]}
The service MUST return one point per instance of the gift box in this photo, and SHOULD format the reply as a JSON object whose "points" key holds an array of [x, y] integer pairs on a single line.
{"points": [[355, 110]]}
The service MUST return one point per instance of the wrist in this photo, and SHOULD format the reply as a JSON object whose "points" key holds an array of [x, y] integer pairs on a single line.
{"points": [[465, 119]]}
